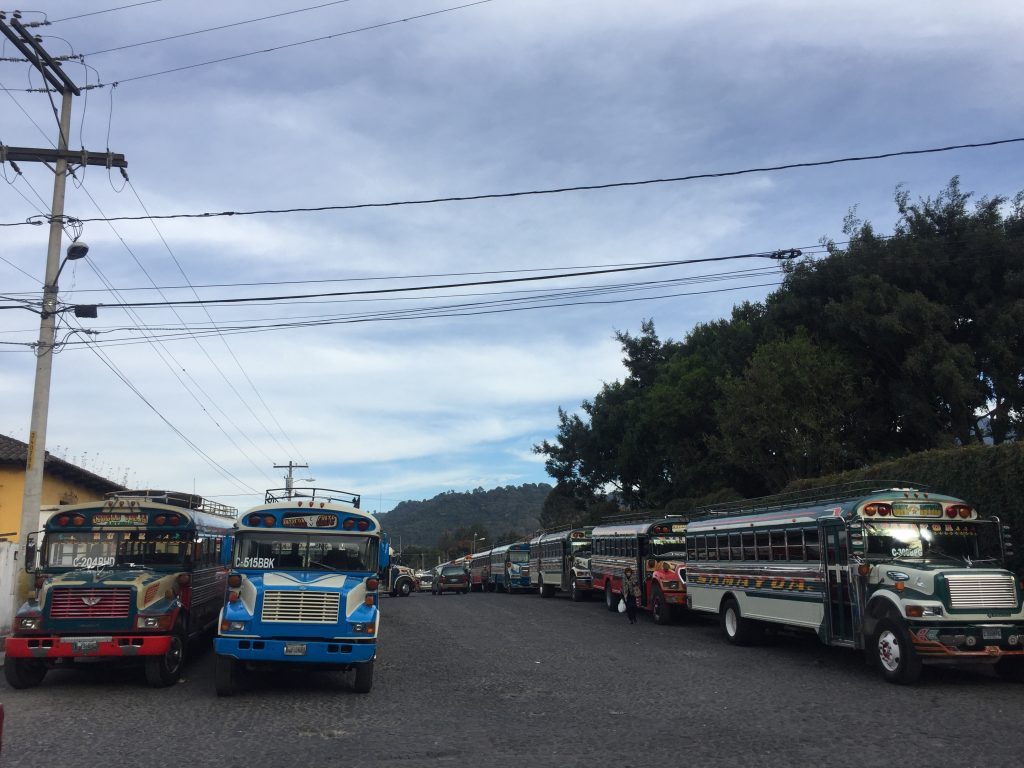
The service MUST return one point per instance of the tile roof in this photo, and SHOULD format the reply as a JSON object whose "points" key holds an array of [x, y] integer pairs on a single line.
{"points": [[16, 452]]}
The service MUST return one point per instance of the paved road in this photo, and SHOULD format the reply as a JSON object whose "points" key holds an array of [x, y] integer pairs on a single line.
{"points": [[514, 680]]}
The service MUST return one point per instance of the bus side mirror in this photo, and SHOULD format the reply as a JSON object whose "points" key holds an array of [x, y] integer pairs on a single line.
{"points": [[385, 557], [30, 553]]}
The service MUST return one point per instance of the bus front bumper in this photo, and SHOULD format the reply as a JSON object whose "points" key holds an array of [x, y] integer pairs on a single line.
{"points": [[301, 651], [86, 646], [967, 643]]}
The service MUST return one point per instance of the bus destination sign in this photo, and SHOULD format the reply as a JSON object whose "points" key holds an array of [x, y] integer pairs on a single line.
{"points": [[105, 519], [310, 521]]}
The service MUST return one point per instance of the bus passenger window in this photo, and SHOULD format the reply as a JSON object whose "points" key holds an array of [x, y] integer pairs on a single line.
{"points": [[811, 544], [778, 545], [795, 544], [712, 547], [749, 552], [735, 550], [763, 550]]}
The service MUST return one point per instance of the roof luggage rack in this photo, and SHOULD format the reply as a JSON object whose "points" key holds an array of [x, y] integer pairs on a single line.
{"points": [[807, 496], [176, 499], [325, 495]]}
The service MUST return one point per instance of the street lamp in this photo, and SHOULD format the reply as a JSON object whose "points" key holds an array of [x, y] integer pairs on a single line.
{"points": [[475, 540], [36, 451]]}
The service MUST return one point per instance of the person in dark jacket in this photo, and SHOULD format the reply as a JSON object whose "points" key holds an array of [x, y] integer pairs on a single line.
{"points": [[630, 593]]}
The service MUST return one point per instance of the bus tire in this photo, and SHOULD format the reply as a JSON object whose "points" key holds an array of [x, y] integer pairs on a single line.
{"points": [[1011, 669], [547, 590], [165, 670], [404, 589], [893, 652], [609, 598], [661, 611], [24, 673], [737, 630], [575, 593], [225, 675], [364, 677]]}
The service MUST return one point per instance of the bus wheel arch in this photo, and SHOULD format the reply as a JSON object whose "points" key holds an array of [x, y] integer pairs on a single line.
{"points": [[609, 597], [661, 611], [893, 652], [165, 670], [880, 607], [737, 629]]}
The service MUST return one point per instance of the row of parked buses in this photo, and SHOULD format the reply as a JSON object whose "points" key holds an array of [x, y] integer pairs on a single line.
{"points": [[139, 575], [907, 576]]}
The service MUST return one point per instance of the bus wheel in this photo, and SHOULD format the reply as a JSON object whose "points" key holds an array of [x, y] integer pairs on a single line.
{"points": [[405, 590], [24, 673], [547, 590], [575, 593], [225, 675], [661, 611], [165, 670], [1011, 669], [737, 630], [609, 598], [894, 653], [364, 677]]}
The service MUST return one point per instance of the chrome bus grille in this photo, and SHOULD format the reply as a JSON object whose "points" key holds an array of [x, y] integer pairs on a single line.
{"points": [[301, 607], [981, 590], [88, 603]]}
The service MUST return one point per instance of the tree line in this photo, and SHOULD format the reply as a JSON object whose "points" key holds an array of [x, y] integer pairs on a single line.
{"points": [[887, 346]]}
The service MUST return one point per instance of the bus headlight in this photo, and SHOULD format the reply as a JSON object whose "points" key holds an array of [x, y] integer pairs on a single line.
{"points": [[671, 585], [162, 621], [28, 623], [232, 626]]}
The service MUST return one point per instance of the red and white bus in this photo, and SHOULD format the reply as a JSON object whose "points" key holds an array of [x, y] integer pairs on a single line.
{"points": [[656, 551]]}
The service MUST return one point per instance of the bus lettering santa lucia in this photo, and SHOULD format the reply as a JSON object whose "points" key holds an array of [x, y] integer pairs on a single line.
{"points": [[908, 576], [656, 551], [134, 576], [303, 587]]}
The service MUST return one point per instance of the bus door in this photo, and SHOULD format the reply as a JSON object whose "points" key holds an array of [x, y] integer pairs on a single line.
{"points": [[841, 609]]}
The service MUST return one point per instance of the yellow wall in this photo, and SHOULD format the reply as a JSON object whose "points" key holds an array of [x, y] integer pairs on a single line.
{"points": [[56, 490]]}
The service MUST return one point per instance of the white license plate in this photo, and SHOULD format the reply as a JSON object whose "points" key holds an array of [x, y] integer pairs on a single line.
{"points": [[294, 649], [85, 646], [991, 633]]}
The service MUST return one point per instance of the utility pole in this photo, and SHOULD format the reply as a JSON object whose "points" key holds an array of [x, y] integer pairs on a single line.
{"points": [[54, 79], [288, 479]]}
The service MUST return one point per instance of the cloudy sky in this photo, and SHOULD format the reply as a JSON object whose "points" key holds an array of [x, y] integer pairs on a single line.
{"points": [[406, 394]]}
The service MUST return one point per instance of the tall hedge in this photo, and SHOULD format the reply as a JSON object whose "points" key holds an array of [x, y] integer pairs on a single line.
{"points": [[989, 477]]}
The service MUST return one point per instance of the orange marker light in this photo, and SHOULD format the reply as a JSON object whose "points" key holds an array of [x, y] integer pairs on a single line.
{"points": [[900, 586], [368, 600]]}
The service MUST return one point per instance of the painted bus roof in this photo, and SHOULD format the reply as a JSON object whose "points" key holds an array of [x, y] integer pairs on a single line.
{"points": [[809, 512], [202, 521], [559, 535], [634, 529]]}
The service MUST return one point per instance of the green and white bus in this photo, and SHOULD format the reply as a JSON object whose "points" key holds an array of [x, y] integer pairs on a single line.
{"points": [[908, 576]]}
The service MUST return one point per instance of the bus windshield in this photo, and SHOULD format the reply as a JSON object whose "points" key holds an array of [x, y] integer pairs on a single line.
{"points": [[519, 556], [106, 549], [961, 541], [581, 548], [668, 546], [274, 551]]}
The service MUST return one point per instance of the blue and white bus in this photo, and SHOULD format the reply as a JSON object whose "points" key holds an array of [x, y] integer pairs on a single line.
{"points": [[303, 587], [510, 567]]}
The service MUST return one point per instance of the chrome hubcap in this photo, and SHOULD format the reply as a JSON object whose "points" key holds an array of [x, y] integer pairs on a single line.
{"points": [[730, 622], [889, 651]]}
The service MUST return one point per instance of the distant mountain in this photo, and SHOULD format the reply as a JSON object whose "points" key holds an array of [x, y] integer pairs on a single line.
{"points": [[498, 511]]}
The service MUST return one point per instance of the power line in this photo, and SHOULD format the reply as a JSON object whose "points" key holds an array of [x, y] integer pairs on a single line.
{"points": [[216, 29], [108, 10], [376, 291], [552, 190], [286, 46]]}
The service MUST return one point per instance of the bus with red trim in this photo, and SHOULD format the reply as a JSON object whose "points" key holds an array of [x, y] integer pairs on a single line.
{"points": [[479, 570], [134, 576], [303, 587], [656, 551]]}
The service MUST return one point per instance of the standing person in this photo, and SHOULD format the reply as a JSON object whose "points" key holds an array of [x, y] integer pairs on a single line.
{"points": [[630, 593]]}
